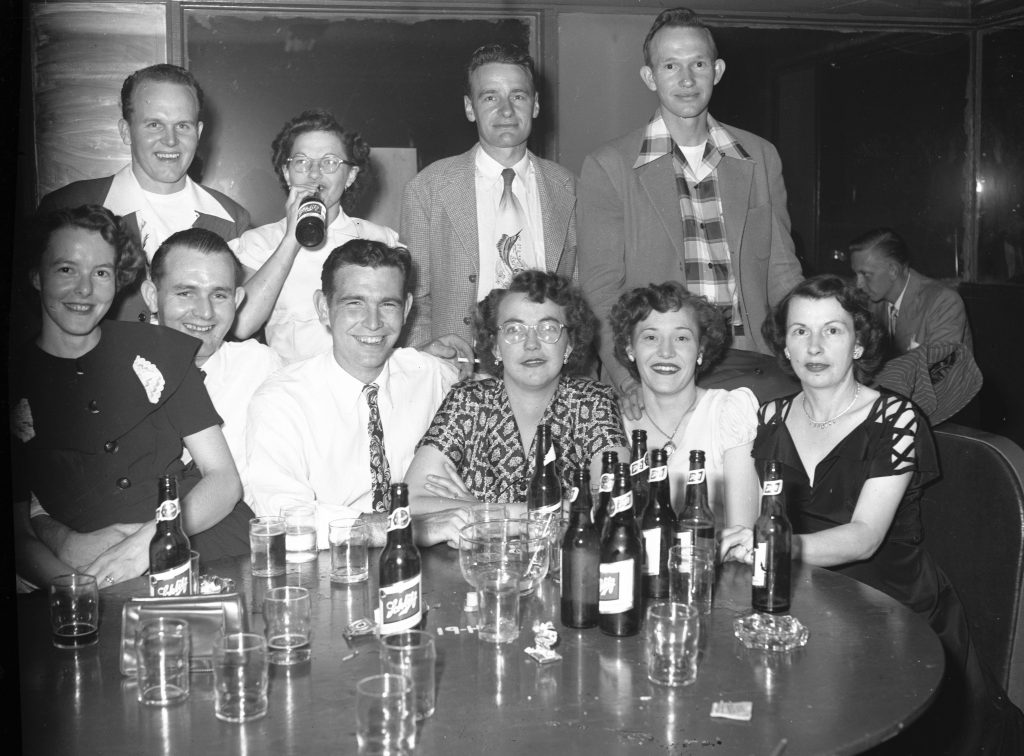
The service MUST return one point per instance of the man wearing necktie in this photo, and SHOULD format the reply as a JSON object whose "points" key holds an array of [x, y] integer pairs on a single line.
{"points": [[475, 220], [339, 428]]}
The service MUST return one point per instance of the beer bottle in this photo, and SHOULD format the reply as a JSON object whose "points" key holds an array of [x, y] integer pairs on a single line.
{"points": [[544, 496], [581, 558], [311, 223], [695, 522], [401, 578], [609, 461], [619, 599], [773, 546], [658, 527], [170, 553], [639, 471]]}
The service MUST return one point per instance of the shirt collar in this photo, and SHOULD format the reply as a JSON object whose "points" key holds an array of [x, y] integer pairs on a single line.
{"points": [[899, 299], [126, 196], [489, 168], [658, 142], [349, 385]]}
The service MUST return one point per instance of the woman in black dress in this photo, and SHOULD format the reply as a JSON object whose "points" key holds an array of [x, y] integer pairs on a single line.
{"points": [[854, 463], [100, 409]]}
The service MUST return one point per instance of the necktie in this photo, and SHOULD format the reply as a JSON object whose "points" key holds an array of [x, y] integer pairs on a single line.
{"points": [[511, 234], [893, 313], [380, 471]]}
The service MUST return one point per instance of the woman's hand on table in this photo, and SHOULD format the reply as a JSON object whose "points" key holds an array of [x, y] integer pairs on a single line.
{"points": [[737, 545], [126, 560], [448, 486], [443, 526], [82, 549]]}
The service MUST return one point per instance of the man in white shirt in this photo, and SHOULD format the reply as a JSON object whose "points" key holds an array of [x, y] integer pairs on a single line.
{"points": [[195, 288], [315, 425], [469, 234], [160, 107]]}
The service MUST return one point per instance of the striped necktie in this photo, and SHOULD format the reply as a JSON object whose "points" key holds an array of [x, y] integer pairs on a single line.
{"points": [[380, 470]]}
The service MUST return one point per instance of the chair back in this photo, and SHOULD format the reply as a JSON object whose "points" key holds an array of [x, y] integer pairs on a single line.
{"points": [[973, 521]]}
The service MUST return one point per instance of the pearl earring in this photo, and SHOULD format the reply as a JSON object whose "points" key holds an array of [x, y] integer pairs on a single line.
{"points": [[786, 352], [857, 353], [700, 359], [497, 359], [565, 358]]}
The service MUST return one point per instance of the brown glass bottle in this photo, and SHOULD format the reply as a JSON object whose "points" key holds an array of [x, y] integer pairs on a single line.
{"points": [[695, 522], [773, 547], [170, 553], [639, 470], [400, 570], [609, 461], [658, 527], [581, 559], [311, 221], [619, 597]]}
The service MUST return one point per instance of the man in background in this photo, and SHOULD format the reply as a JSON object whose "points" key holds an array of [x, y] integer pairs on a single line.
{"points": [[474, 220], [161, 107]]}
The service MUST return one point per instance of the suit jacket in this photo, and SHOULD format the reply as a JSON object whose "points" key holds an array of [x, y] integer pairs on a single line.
{"points": [[129, 304], [631, 231], [439, 226], [930, 313]]}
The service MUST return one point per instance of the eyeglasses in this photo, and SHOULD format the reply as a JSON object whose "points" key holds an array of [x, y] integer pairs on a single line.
{"points": [[326, 164], [549, 331]]}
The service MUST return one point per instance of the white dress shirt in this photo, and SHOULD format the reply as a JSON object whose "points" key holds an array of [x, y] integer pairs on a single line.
{"points": [[233, 374], [294, 331], [489, 187], [307, 440]]}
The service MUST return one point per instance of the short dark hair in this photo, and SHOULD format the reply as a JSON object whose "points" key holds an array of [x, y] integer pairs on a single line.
{"points": [[200, 240], [366, 254], [129, 260], [886, 242], [636, 305], [538, 286], [866, 329], [683, 18], [500, 52], [356, 149], [161, 72]]}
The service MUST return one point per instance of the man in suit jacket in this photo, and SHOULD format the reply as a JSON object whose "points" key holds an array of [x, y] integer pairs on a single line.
{"points": [[474, 220], [686, 199], [916, 310], [160, 109]]}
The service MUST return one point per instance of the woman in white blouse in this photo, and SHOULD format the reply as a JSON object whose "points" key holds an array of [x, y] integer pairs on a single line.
{"points": [[667, 337]]}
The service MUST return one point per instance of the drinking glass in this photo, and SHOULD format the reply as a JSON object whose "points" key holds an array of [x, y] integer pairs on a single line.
{"points": [[488, 512], [299, 533], [412, 654], [673, 643], [287, 614], [385, 716], [162, 649], [350, 561], [74, 610], [691, 576], [499, 606], [513, 545], [240, 677], [266, 542]]}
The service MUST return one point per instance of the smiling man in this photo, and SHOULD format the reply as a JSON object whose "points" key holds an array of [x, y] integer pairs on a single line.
{"points": [[475, 220], [687, 199], [160, 121], [337, 428], [195, 288]]}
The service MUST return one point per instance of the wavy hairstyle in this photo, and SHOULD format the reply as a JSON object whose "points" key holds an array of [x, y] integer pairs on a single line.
{"points": [[866, 329], [199, 240], [356, 150], [129, 260], [636, 305], [167, 73], [538, 286]]}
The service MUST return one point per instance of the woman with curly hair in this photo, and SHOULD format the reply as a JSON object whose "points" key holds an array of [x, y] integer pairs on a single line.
{"points": [[311, 152], [100, 409], [854, 462], [667, 337], [480, 446]]}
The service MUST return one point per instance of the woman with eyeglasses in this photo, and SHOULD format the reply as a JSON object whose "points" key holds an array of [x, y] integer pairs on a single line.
{"points": [[312, 151], [479, 448], [667, 337]]}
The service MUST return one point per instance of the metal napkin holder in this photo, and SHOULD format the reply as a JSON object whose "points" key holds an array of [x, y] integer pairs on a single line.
{"points": [[208, 617]]}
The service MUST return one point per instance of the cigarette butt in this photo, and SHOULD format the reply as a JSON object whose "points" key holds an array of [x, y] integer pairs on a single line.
{"points": [[353, 655]]}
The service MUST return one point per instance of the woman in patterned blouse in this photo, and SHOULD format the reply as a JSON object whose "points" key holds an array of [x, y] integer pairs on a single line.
{"points": [[532, 336]]}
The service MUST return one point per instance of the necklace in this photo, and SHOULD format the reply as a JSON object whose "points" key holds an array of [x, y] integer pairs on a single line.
{"points": [[823, 424], [670, 447]]}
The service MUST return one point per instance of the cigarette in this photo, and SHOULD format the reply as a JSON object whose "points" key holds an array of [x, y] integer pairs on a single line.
{"points": [[466, 359]]}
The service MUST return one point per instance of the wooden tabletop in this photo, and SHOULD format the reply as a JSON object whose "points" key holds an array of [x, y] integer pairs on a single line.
{"points": [[871, 667]]}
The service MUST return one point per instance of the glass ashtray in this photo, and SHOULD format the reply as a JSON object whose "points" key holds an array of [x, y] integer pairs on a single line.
{"points": [[771, 632], [214, 584]]}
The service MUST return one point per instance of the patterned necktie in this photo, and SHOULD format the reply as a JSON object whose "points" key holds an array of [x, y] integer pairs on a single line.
{"points": [[380, 471], [511, 234], [893, 314]]}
